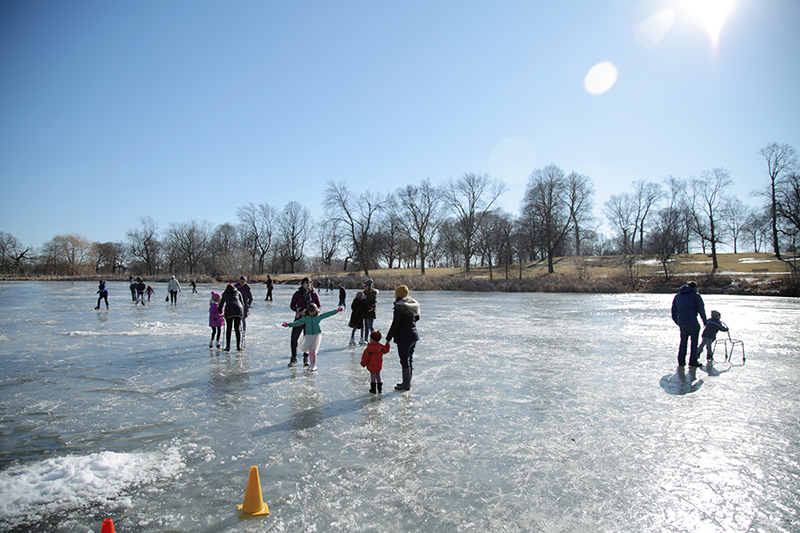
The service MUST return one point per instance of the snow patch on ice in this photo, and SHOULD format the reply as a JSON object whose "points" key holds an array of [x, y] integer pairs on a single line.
{"points": [[29, 492]]}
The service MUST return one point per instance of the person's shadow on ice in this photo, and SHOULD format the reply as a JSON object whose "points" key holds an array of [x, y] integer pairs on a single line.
{"points": [[681, 382]]}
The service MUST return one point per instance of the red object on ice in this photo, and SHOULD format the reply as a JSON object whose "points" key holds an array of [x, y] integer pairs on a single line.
{"points": [[108, 526]]}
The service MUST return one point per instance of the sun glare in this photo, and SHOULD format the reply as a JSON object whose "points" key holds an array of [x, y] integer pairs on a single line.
{"points": [[711, 13]]}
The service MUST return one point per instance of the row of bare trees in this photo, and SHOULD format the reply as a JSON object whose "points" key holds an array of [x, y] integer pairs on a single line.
{"points": [[457, 224]]}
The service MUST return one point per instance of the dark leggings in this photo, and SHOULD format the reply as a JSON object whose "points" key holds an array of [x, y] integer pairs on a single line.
{"points": [[173, 297], [215, 331], [233, 322], [103, 296]]}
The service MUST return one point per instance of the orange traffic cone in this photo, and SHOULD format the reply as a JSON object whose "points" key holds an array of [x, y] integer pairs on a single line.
{"points": [[253, 501], [108, 526]]}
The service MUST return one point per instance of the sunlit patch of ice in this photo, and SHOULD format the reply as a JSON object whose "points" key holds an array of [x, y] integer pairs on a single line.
{"points": [[29, 492], [4, 337]]}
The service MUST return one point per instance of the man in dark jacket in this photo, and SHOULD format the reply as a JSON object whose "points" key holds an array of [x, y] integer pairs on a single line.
{"points": [[686, 305]]}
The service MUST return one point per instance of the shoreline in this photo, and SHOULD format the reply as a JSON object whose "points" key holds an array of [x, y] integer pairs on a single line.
{"points": [[774, 284]]}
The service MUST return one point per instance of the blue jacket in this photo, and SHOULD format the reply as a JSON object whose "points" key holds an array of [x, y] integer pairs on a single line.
{"points": [[686, 305]]}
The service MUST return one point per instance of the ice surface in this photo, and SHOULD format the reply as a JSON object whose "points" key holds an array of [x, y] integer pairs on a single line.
{"points": [[528, 412]]}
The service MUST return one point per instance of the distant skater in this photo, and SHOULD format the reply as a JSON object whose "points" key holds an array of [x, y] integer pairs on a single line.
{"points": [[304, 296], [102, 290], [371, 296], [686, 305], [133, 288], [342, 296], [194, 286], [140, 288], [358, 307], [232, 306], [149, 291], [311, 342], [713, 326], [269, 288], [216, 318], [174, 288], [404, 333], [372, 359], [247, 298]]}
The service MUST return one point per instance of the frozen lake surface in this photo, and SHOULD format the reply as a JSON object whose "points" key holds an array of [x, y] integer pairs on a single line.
{"points": [[529, 412]]}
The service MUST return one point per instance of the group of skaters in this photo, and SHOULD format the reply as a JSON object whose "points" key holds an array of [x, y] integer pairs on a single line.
{"points": [[307, 319], [686, 307]]}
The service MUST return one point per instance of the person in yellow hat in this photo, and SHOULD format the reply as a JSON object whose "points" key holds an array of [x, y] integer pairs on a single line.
{"points": [[403, 332]]}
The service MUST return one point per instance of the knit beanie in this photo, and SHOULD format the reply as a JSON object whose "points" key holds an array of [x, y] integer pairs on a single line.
{"points": [[375, 335], [401, 291]]}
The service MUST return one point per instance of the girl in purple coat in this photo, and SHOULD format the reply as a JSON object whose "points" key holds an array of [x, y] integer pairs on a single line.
{"points": [[215, 318]]}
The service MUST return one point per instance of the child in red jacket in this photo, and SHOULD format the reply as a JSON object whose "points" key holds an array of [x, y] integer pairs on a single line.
{"points": [[373, 360]]}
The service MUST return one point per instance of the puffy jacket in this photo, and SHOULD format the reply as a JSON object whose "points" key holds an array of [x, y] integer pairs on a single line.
{"points": [[247, 297], [358, 306], [215, 318], [404, 322], [713, 326], [373, 356], [686, 305], [232, 304], [371, 299]]}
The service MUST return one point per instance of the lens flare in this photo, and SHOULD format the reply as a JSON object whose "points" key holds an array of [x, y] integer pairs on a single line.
{"points": [[600, 78], [654, 28]]}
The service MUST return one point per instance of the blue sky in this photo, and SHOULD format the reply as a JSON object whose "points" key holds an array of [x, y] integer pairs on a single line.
{"points": [[110, 111]]}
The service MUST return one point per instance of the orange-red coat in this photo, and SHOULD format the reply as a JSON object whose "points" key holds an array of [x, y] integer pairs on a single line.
{"points": [[373, 356]]}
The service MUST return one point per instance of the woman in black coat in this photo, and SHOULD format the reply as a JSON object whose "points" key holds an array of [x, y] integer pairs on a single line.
{"points": [[404, 333], [232, 306]]}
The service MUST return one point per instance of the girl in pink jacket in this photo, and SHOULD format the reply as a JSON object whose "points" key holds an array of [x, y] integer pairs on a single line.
{"points": [[215, 318]]}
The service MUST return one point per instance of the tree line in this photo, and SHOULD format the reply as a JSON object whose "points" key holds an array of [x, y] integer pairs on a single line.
{"points": [[457, 224]]}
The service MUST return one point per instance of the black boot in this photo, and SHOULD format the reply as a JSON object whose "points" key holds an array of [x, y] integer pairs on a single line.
{"points": [[372, 387], [380, 388], [305, 359], [406, 384]]}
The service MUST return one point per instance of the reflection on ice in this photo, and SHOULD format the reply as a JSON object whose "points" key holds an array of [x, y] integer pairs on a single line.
{"points": [[530, 412]]}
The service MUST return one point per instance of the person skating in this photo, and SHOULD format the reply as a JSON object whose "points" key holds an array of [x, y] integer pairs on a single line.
{"points": [[358, 307], [371, 296], [311, 321], [270, 284], [709, 336], [247, 298], [232, 306], [304, 295], [372, 360], [216, 318], [404, 333], [174, 288], [140, 288], [102, 290], [686, 305]]}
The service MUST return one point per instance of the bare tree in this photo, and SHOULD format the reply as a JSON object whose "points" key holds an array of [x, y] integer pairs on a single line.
{"points": [[734, 216], [788, 208], [145, 245], [13, 255], [69, 254], [546, 195], [709, 193], [225, 251], [109, 255], [257, 225], [781, 160], [357, 213], [645, 196], [471, 198], [294, 226], [579, 193], [422, 216], [328, 241], [191, 240], [620, 212]]}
